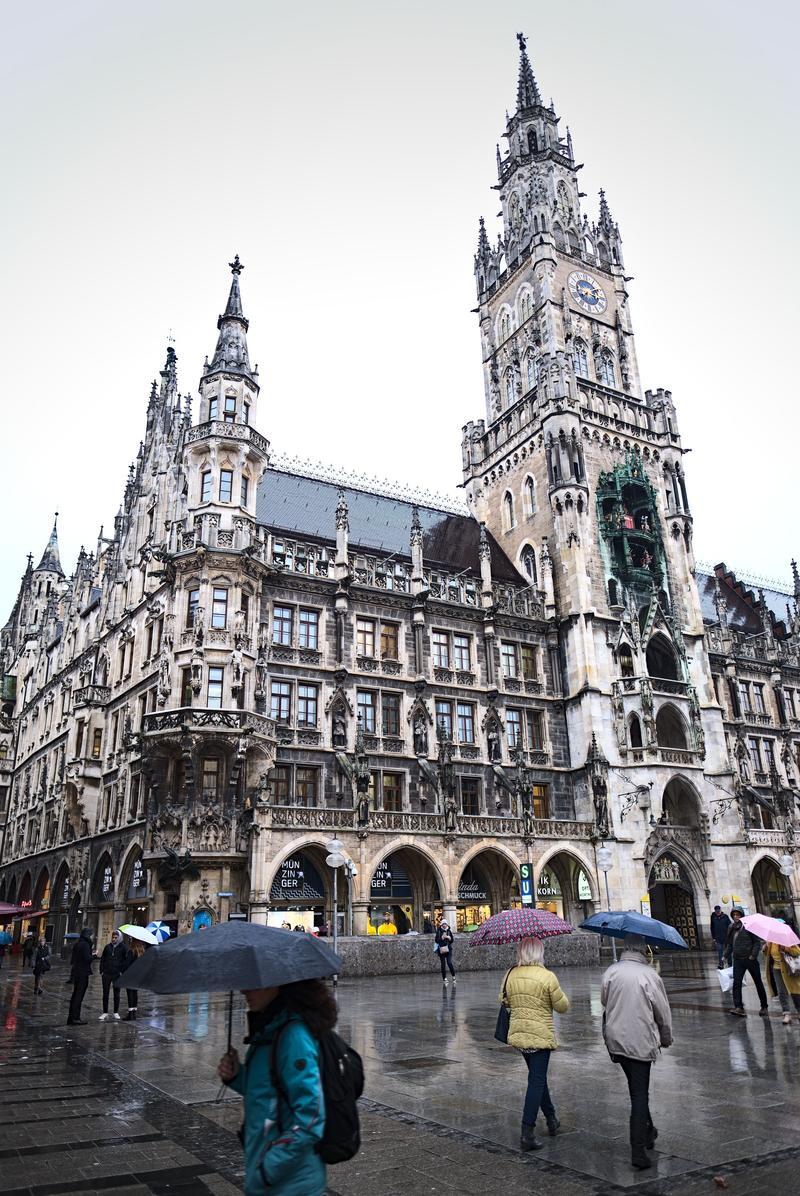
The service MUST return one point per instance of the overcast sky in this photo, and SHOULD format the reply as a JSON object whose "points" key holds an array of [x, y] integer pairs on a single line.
{"points": [[346, 151]]}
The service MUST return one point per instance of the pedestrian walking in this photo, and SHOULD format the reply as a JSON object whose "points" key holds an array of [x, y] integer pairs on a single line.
{"points": [[531, 993], [5, 941], [28, 948], [113, 962], [742, 949], [720, 925], [41, 964], [133, 952], [283, 1122], [781, 981], [444, 941], [637, 1023], [80, 970]]}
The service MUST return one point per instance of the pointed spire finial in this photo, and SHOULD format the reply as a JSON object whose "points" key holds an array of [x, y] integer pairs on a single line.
{"points": [[483, 240], [527, 89], [51, 561], [236, 266]]}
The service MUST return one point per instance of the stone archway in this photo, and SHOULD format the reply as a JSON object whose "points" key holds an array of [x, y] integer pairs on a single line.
{"points": [[488, 883], [103, 893], [300, 888], [565, 884], [672, 894], [771, 889], [404, 885]]}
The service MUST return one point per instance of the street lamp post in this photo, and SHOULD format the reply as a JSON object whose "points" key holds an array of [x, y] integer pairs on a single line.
{"points": [[605, 861], [335, 860]]}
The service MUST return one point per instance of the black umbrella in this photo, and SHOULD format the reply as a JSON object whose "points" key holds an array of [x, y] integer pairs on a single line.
{"points": [[231, 955]]}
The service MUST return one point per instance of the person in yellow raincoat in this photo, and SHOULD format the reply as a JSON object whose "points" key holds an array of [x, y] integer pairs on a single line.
{"points": [[780, 981]]}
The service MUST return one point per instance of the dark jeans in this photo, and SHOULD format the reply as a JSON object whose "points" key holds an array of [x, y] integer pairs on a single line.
{"points": [[637, 1073], [720, 952], [107, 983], [447, 962], [132, 995], [79, 988], [740, 966], [537, 1095], [27, 960]]}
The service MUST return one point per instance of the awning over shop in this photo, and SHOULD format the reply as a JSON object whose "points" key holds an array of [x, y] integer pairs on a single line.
{"points": [[26, 914]]}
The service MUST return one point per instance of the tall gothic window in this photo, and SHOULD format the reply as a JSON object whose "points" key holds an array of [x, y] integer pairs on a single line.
{"points": [[504, 327], [526, 306], [508, 512], [529, 496], [580, 359], [532, 370], [607, 372], [511, 393], [529, 562]]}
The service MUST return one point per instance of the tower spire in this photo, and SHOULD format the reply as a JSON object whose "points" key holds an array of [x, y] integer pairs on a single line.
{"points": [[51, 561], [231, 352], [527, 90]]}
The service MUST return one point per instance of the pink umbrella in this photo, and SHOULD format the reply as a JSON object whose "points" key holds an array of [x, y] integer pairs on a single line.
{"points": [[514, 924], [772, 930]]}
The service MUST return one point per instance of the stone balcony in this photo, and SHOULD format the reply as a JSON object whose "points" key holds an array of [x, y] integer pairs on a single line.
{"points": [[188, 719], [484, 826], [761, 838], [239, 433], [92, 695]]}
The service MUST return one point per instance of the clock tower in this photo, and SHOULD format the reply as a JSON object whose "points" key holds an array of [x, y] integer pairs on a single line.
{"points": [[579, 473]]}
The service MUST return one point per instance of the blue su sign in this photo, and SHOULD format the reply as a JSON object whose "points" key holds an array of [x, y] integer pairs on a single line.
{"points": [[526, 883]]}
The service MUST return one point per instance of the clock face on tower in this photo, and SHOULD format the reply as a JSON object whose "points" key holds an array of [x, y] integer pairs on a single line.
{"points": [[587, 292]]}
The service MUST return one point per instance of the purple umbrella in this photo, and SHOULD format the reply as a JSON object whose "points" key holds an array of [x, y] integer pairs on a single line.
{"points": [[514, 924]]}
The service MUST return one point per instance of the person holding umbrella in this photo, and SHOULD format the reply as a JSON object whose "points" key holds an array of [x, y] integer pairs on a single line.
{"points": [[780, 944], [637, 1023], [742, 948], [283, 1121], [532, 993]]}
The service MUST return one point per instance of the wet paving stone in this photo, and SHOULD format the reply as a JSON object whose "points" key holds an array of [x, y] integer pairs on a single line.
{"points": [[130, 1108]]}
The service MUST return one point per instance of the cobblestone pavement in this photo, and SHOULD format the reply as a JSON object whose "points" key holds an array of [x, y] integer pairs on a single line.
{"points": [[131, 1108]]}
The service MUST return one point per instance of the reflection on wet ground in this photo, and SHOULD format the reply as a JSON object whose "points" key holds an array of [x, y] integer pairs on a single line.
{"points": [[136, 1100]]}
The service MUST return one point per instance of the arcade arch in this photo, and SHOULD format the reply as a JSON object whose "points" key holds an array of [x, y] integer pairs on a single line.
{"points": [[565, 884], [405, 883], [770, 887]]}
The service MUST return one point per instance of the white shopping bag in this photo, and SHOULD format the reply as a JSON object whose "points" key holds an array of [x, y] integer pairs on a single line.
{"points": [[725, 979]]}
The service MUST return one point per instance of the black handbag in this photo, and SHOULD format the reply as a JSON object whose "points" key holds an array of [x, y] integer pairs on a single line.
{"points": [[504, 1015]]}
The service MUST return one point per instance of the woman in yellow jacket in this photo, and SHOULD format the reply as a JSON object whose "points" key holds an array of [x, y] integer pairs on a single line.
{"points": [[532, 993], [781, 982]]}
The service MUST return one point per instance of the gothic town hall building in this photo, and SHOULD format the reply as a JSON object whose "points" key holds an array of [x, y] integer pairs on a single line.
{"points": [[261, 658]]}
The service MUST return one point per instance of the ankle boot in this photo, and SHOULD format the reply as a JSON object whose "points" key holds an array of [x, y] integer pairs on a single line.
{"points": [[553, 1125], [640, 1159], [528, 1139], [652, 1134]]}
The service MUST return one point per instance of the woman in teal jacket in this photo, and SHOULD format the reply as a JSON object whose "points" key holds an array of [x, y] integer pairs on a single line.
{"points": [[281, 1132]]}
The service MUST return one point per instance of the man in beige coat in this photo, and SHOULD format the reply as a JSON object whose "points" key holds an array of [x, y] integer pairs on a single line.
{"points": [[636, 1024]]}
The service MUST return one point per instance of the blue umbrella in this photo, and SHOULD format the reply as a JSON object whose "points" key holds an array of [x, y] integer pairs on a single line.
{"points": [[619, 924]]}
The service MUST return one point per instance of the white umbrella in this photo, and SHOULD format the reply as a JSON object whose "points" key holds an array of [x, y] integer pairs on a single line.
{"points": [[139, 932]]}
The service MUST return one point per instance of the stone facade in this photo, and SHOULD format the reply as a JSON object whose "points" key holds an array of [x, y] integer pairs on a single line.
{"points": [[260, 658]]}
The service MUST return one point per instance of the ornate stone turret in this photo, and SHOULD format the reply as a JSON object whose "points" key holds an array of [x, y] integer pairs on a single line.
{"points": [[51, 561]]}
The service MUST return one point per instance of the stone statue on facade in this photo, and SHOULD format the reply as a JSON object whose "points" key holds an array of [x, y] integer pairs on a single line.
{"points": [[600, 796], [420, 735], [493, 742]]}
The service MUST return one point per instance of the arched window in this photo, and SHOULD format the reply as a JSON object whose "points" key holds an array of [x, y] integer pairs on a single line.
{"points": [[580, 359], [529, 496], [613, 592], [504, 327], [635, 731], [661, 660], [608, 375], [508, 511], [670, 729], [625, 659], [525, 306], [574, 243], [602, 253], [558, 237], [528, 559], [533, 144], [532, 370], [511, 392]]}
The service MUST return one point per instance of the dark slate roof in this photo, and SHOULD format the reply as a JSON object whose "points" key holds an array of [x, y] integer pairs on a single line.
{"points": [[742, 597], [302, 506]]}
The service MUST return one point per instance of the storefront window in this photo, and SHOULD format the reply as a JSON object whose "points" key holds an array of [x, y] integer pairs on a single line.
{"points": [[548, 893]]}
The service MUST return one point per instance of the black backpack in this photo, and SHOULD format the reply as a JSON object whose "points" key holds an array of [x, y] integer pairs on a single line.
{"points": [[342, 1074]]}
